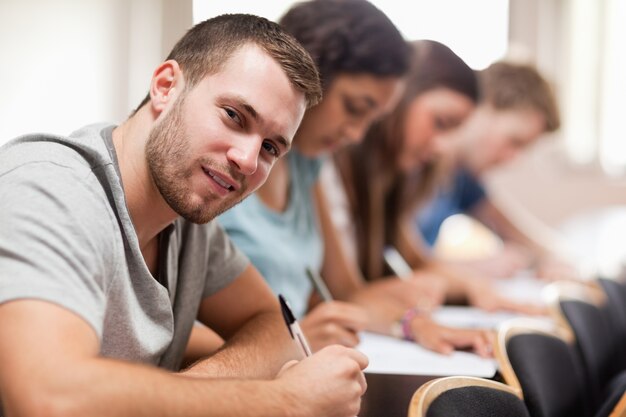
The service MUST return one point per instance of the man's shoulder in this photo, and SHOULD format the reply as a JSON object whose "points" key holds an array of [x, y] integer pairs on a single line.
{"points": [[84, 149], [57, 173]]}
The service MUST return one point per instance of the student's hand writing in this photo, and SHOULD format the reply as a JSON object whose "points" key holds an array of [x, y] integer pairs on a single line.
{"points": [[505, 263], [485, 297], [334, 322], [428, 290], [552, 268], [423, 290], [330, 383], [443, 339], [288, 365]]}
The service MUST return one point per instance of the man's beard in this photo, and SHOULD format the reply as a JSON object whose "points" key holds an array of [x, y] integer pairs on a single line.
{"points": [[172, 167]]}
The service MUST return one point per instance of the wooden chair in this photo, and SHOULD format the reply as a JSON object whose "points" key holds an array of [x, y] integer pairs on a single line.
{"points": [[458, 396]]}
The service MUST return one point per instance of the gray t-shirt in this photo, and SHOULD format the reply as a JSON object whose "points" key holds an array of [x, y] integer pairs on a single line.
{"points": [[66, 237]]}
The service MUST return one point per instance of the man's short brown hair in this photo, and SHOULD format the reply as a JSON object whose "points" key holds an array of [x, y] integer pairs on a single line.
{"points": [[509, 86], [206, 47]]}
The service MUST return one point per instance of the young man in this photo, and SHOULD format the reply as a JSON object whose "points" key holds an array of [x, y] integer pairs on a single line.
{"points": [[108, 251], [517, 108]]}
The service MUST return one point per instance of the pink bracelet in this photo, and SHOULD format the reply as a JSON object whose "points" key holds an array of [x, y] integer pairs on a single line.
{"points": [[406, 320]]}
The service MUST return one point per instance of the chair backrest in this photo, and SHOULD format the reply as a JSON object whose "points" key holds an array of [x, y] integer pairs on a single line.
{"points": [[543, 364], [585, 309], [616, 296], [613, 400], [620, 407], [466, 397]]}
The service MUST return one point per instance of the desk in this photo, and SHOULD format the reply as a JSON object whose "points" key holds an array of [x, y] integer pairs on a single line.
{"points": [[397, 368], [389, 395], [399, 357]]}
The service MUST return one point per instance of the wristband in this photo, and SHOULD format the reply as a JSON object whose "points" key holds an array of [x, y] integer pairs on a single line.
{"points": [[405, 322]]}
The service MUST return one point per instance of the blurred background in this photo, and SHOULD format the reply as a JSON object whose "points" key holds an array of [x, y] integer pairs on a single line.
{"points": [[66, 63]]}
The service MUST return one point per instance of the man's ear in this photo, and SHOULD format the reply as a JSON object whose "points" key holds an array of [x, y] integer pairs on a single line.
{"points": [[167, 83]]}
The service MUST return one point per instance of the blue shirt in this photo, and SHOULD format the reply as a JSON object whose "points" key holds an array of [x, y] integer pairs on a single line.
{"points": [[463, 194], [282, 244]]}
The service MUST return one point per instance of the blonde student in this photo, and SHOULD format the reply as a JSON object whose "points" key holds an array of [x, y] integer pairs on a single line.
{"points": [[518, 107]]}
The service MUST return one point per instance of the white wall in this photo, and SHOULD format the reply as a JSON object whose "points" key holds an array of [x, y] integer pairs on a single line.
{"points": [[66, 63], [478, 45], [546, 181]]}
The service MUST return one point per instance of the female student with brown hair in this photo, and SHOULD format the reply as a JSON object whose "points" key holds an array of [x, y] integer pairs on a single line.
{"points": [[395, 168]]}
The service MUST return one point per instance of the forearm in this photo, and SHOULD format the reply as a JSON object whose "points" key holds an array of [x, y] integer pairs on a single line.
{"points": [[258, 350], [489, 214], [105, 387], [458, 280], [384, 303]]}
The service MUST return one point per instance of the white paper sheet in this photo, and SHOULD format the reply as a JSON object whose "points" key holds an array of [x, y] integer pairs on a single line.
{"points": [[388, 355], [471, 317], [523, 287], [474, 318]]}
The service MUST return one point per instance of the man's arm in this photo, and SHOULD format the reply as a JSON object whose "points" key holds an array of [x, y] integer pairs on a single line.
{"points": [[247, 315], [49, 366], [202, 343]]}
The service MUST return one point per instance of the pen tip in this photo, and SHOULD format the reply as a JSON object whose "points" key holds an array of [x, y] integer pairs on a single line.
{"points": [[287, 313]]}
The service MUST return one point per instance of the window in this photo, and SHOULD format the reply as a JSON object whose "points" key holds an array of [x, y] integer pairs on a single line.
{"points": [[595, 87], [477, 30]]}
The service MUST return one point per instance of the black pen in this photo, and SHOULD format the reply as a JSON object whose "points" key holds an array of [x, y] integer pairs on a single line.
{"points": [[319, 284], [294, 328]]}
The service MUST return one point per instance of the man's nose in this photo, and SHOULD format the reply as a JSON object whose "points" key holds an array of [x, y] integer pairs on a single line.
{"points": [[245, 155]]}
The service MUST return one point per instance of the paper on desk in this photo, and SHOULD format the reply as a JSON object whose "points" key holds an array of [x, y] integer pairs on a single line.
{"points": [[470, 317], [523, 287], [475, 318], [388, 355]]}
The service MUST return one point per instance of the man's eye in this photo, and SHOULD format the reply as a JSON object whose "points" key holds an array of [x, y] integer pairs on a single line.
{"points": [[233, 115], [271, 149]]}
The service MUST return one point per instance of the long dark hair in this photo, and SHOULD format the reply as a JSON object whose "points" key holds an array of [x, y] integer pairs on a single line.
{"points": [[381, 196], [348, 36]]}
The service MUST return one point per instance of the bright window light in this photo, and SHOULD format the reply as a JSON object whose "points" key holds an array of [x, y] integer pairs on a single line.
{"points": [[612, 143], [476, 30], [581, 90], [273, 10]]}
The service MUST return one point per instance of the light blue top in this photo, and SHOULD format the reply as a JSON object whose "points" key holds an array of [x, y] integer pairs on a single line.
{"points": [[282, 244]]}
